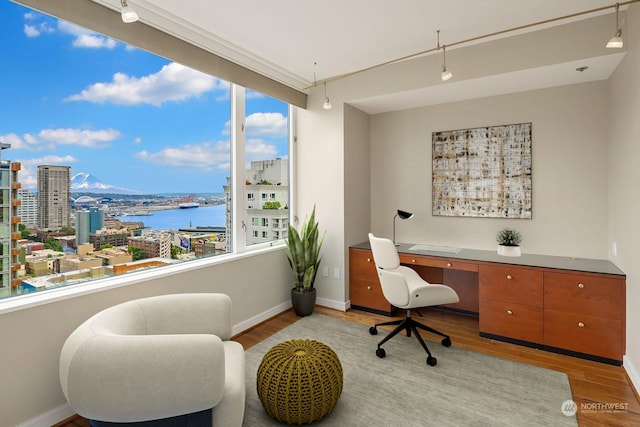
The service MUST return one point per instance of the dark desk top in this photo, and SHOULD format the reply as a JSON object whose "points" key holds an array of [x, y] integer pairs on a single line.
{"points": [[589, 265]]}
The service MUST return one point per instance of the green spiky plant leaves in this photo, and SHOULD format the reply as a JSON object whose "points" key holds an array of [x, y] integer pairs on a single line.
{"points": [[509, 237], [303, 253]]}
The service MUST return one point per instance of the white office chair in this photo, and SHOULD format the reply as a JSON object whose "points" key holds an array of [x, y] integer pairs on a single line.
{"points": [[405, 289]]}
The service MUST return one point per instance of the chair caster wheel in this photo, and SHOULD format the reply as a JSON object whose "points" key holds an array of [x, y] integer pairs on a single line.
{"points": [[381, 353], [431, 361], [373, 330], [446, 342]]}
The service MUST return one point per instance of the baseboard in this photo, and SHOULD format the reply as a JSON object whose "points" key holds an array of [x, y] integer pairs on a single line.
{"points": [[255, 320], [633, 375], [49, 418], [329, 303]]}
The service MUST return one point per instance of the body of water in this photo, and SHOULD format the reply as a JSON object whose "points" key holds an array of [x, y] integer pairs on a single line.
{"points": [[174, 219]]}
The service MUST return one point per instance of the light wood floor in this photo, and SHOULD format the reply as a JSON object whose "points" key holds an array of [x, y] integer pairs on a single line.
{"points": [[591, 382]]}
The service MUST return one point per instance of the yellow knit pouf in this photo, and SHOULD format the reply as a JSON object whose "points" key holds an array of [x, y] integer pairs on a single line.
{"points": [[299, 381]]}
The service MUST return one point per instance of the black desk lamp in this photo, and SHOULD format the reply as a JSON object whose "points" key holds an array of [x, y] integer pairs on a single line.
{"points": [[402, 215]]}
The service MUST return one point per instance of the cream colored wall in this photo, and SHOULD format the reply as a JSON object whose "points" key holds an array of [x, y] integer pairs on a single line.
{"points": [[31, 339], [320, 178], [624, 176], [357, 178], [569, 137]]}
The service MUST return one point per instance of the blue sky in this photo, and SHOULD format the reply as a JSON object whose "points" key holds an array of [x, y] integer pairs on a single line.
{"points": [[134, 120]]}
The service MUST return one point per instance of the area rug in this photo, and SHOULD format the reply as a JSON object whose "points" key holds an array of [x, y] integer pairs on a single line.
{"points": [[464, 388]]}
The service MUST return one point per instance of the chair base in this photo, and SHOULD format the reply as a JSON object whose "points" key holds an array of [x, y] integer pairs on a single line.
{"points": [[195, 419], [410, 326]]}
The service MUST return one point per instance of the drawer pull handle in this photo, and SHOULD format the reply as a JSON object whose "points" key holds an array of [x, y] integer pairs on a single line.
{"points": [[509, 277], [448, 264], [581, 285], [581, 325], [368, 259], [413, 260], [509, 312], [368, 287]]}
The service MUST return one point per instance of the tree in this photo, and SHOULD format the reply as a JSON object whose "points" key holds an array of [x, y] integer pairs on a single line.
{"points": [[68, 230], [136, 253], [52, 244], [105, 246], [175, 251]]}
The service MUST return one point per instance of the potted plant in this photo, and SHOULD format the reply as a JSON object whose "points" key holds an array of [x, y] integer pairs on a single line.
{"points": [[303, 254], [509, 242]]}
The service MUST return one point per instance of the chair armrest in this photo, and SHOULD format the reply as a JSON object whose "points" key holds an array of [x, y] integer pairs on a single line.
{"points": [[137, 378]]}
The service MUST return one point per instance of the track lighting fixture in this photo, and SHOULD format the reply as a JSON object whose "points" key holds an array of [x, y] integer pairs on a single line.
{"points": [[616, 41], [128, 14], [327, 103], [446, 74]]}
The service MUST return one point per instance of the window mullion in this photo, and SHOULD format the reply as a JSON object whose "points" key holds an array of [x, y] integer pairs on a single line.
{"points": [[237, 125]]}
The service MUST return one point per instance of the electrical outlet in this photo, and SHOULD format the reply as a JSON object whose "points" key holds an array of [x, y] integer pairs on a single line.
{"points": [[336, 273], [325, 271]]}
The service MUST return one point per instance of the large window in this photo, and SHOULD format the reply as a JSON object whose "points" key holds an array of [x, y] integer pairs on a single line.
{"points": [[159, 154]]}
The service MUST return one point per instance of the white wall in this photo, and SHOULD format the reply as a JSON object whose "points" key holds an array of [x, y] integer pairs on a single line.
{"points": [[569, 146], [624, 176], [31, 339]]}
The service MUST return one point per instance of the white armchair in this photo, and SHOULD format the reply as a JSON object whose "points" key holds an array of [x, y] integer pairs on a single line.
{"points": [[155, 358]]}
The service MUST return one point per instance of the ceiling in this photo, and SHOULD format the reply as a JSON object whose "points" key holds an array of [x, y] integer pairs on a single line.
{"points": [[290, 40]]}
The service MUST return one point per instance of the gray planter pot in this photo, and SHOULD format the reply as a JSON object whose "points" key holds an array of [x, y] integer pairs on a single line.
{"points": [[303, 302]]}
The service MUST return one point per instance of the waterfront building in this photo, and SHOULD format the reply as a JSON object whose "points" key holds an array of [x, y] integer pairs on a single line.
{"points": [[28, 209], [54, 209]]}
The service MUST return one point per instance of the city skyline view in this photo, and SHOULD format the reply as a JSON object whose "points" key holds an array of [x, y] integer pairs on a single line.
{"points": [[131, 119]]}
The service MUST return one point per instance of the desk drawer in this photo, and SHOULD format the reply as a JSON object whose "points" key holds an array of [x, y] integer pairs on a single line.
{"points": [[586, 334], [446, 263], [597, 296], [511, 284], [511, 320], [361, 265]]}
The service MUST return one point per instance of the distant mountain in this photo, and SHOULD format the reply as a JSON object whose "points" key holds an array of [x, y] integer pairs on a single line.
{"points": [[86, 183]]}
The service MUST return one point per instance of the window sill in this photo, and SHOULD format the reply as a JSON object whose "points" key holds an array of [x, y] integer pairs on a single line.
{"points": [[35, 299]]}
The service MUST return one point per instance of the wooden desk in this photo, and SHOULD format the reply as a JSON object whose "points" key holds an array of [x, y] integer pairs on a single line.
{"points": [[573, 306]]}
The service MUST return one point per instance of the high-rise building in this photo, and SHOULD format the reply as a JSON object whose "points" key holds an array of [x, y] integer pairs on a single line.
{"points": [[82, 227], [9, 221], [54, 209], [87, 223], [266, 201], [96, 219], [28, 209]]}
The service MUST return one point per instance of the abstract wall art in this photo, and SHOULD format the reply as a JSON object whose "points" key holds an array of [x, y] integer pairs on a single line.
{"points": [[482, 172]]}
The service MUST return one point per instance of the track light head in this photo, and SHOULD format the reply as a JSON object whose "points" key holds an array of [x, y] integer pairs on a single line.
{"points": [[446, 75], [327, 104], [128, 14], [616, 41]]}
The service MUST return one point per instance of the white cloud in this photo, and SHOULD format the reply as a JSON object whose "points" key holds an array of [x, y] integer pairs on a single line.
{"points": [[84, 38], [36, 29], [174, 82], [28, 174], [258, 149], [94, 41], [206, 156], [81, 137], [50, 138], [266, 124]]}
